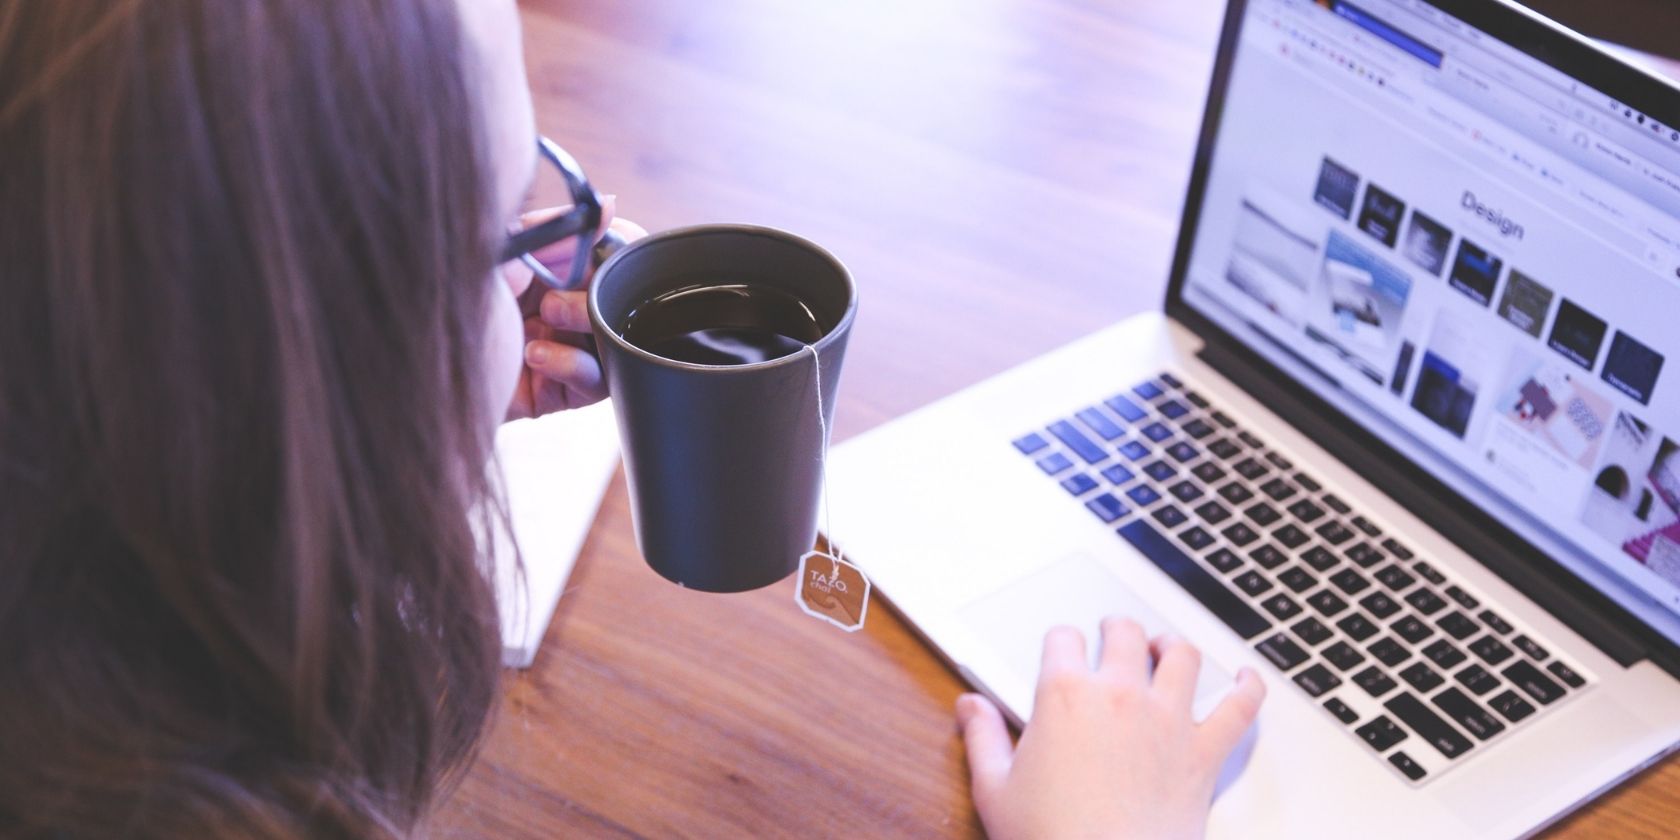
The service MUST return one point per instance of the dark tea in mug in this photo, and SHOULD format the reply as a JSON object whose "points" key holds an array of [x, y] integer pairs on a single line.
{"points": [[723, 325]]}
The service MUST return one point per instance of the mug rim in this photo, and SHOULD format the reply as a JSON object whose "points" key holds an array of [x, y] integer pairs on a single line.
{"points": [[819, 345]]}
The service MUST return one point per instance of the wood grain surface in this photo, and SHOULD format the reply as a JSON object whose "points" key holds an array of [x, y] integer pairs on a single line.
{"points": [[1001, 176]]}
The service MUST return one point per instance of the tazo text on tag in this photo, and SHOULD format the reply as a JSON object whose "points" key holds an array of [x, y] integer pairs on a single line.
{"points": [[833, 590]]}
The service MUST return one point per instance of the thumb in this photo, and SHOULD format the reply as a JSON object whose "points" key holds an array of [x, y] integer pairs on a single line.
{"points": [[990, 751]]}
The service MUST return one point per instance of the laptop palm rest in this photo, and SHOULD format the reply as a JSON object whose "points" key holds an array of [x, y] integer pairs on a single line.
{"points": [[1078, 591]]}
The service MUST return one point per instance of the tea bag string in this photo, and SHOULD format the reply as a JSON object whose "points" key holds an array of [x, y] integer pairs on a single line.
{"points": [[822, 426]]}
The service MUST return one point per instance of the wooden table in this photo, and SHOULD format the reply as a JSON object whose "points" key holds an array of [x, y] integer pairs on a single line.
{"points": [[1001, 176]]}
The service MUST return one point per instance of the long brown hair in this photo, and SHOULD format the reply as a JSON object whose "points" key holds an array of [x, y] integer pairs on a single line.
{"points": [[245, 260]]}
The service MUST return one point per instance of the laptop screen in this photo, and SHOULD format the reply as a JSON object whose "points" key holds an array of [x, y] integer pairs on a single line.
{"points": [[1472, 253]]}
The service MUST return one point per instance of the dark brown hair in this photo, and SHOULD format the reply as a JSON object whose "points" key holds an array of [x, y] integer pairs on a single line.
{"points": [[245, 263]]}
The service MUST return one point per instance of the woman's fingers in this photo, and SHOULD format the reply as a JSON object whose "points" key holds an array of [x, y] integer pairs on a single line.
{"points": [[564, 376], [1177, 664], [990, 752], [1125, 650], [566, 311], [1228, 721]]}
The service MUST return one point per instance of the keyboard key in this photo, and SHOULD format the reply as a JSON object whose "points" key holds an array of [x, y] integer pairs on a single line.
{"points": [[1320, 558], [1393, 546], [1278, 488], [1212, 512], [1335, 503], [1495, 623], [1358, 627], [1186, 491], [1160, 470], [1491, 650], [1327, 603], [1381, 733], [1427, 572], [1235, 493], [1183, 452], [1342, 655], [1421, 676], [1106, 507], [1028, 444], [1407, 766], [1470, 716], [1389, 652], [1098, 422], [1311, 630], [1147, 390], [1282, 606], [1366, 526], [1170, 516], [1117, 474], [1262, 514], [1291, 536], [1224, 559], [1196, 538], [1223, 419], [1250, 469], [1279, 461], [1054, 463], [1240, 534], [1252, 582], [1282, 651], [1209, 472], [1308, 483], [1365, 554], [1305, 511], [1268, 556], [1134, 451], [1395, 578], [1511, 706], [1076, 440], [1156, 432], [1412, 629], [1477, 679], [1297, 579], [1350, 581], [1463, 598], [1143, 495], [1334, 533], [1374, 681], [1197, 428], [1379, 604], [1317, 679], [1533, 682], [1342, 711], [1206, 588], [1425, 601], [1172, 409], [1565, 673], [1458, 625], [1438, 733], [1443, 654], [1196, 399], [1534, 651], [1170, 380], [1079, 484], [1225, 449], [1124, 407], [1248, 438]]}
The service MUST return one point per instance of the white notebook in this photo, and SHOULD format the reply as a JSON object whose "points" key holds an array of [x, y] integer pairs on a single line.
{"points": [[556, 469]]}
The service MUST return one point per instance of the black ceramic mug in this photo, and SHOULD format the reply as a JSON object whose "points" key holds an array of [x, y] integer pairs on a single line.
{"points": [[724, 461]]}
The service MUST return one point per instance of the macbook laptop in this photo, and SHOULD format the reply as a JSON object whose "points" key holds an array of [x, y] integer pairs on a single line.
{"points": [[1403, 437]]}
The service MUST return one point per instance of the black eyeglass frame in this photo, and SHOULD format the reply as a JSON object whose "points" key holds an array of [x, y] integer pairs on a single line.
{"points": [[581, 221]]}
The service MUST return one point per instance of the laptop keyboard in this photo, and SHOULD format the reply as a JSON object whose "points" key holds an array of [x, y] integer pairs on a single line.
{"points": [[1401, 655]]}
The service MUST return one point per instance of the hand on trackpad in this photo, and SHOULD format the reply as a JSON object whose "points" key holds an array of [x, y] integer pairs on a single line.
{"points": [[1080, 592]]}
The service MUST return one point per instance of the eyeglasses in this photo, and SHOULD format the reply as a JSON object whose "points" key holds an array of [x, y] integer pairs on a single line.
{"points": [[581, 222]]}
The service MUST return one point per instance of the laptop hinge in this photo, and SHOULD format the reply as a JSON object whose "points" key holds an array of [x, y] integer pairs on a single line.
{"points": [[1604, 623]]}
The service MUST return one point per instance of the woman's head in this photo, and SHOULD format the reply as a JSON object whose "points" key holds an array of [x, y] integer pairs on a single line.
{"points": [[246, 254]]}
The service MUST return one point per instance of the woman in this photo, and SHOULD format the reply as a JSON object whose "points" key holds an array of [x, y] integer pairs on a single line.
{"points": [[253, 348]]}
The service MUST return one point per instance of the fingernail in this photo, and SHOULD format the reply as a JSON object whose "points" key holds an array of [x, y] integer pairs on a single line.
{"points": [[536, 354], [967, 705]]}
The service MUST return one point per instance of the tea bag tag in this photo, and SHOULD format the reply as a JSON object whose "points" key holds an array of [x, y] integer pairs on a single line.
{"points": [[833, 590]]}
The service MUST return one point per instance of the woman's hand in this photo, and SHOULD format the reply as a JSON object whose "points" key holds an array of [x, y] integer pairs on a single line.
{"points": [[1110, 752], [559, 371]]}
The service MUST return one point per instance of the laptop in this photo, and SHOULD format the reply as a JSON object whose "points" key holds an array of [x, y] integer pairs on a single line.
{"points": [[1403, 436]]}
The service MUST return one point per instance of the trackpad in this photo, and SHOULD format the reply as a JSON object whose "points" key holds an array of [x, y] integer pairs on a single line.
{"points": [[1080, 592]]}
